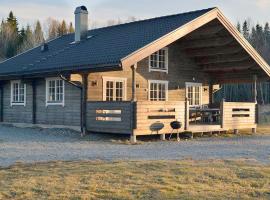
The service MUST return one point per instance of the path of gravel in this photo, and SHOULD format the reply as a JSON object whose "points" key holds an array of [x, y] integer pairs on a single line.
{"points": [[39, 145]]}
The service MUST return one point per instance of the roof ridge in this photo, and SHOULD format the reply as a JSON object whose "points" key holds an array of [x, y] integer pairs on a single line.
{"points": [[154, 18]]}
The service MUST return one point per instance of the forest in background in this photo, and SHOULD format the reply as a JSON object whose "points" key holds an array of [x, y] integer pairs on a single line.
{"points": [[15, 40]]}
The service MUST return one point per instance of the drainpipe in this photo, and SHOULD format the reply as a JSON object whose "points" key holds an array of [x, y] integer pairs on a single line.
{"points": [[34, 102], [1, 103], [84, 103]]}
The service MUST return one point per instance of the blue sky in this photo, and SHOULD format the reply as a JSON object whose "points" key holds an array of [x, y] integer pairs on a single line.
{"points": [[100, 11]]}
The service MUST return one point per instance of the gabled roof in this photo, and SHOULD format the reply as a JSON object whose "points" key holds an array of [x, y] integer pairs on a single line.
{"points": [[105, 47], [120, 46]]}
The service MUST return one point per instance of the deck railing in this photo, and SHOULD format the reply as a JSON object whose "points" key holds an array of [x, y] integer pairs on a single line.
{"points": [[155, 117], [238, 115], [147, 117], [110, 117]]}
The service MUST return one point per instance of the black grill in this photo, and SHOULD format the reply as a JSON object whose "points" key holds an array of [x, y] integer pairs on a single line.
{"points": [[176, 125]]}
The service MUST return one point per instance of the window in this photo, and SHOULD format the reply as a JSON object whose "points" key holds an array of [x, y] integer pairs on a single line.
{"points": [[158, 90], [114, 89], [194, 93], [55, 91], [18, 93], [158, 61]]}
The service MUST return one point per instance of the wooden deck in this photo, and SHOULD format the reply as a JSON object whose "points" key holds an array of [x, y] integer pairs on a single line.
{"points": [[205, 128]]}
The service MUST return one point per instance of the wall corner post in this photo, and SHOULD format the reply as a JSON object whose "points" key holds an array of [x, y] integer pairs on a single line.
{"points": [[34, 102], [186, 114], [1, 103], [133, 137]]}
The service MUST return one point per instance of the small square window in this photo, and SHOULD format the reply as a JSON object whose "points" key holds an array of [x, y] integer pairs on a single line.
{"points": [[158, 61], [158, 90]]}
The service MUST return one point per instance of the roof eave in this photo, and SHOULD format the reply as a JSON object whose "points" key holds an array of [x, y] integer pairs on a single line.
{"points": [[62, 70]]}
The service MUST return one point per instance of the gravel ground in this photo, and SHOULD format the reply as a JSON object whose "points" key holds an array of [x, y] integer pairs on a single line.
{"points": [[40, 145]]}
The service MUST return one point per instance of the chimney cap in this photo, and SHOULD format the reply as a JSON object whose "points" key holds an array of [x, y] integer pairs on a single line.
{"points": [[81, 9]]}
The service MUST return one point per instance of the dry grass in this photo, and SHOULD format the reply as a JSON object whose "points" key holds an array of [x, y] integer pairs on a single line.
{"points": [[136, 180], [261, 130]]}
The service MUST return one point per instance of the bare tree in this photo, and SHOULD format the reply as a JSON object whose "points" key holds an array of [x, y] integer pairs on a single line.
{"points": [[51, 27]]}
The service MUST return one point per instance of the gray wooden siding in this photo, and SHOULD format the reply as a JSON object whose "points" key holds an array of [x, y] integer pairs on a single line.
{"points": [[68, 115], [17, 114], [120, 127]]}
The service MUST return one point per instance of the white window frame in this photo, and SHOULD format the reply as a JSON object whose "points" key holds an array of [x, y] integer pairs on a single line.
{"points": [[166, 70], [47, 92], [11, 94], [162, 82], [114, 80], [191, 84]]}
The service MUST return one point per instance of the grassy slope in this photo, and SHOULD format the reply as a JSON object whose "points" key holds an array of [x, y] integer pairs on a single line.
{"points": [[136, 180]]}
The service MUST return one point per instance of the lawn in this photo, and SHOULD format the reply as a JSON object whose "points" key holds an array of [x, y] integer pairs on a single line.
{"points": [[185, 179]]}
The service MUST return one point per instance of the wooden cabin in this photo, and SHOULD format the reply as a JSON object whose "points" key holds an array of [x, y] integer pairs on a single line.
{"points": [[135, 78]]}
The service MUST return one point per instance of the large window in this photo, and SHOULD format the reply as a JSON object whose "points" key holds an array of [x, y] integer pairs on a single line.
{"points": [[158, 90], [18, 93], [55, 91], [158, 61], [194, 93], [114, 89]]}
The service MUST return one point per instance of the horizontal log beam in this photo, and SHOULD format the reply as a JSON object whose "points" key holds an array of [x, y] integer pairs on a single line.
{"points": [[206, 31], [239, 57], [238, 77], [203, 52], [228, 69], [209, 42], [222, 66]]}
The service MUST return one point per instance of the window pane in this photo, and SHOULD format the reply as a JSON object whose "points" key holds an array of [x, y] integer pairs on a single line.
{"points": [[109, 90], [119, 91], [194, 95]]}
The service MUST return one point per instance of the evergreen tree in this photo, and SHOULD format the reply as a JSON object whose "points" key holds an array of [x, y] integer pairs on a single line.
{"points": [[267, 32], [52, 29], [70, 28], [238, 27], [245, 30], [38, 34], [29, 41], [62, 28], [12, 22], [11, 35]]}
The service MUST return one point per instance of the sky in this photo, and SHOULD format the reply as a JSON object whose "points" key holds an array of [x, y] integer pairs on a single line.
{"points": [[100, 11]]}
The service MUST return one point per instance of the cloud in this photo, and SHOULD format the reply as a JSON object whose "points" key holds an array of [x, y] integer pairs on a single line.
{"points": [[263, 4]]}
